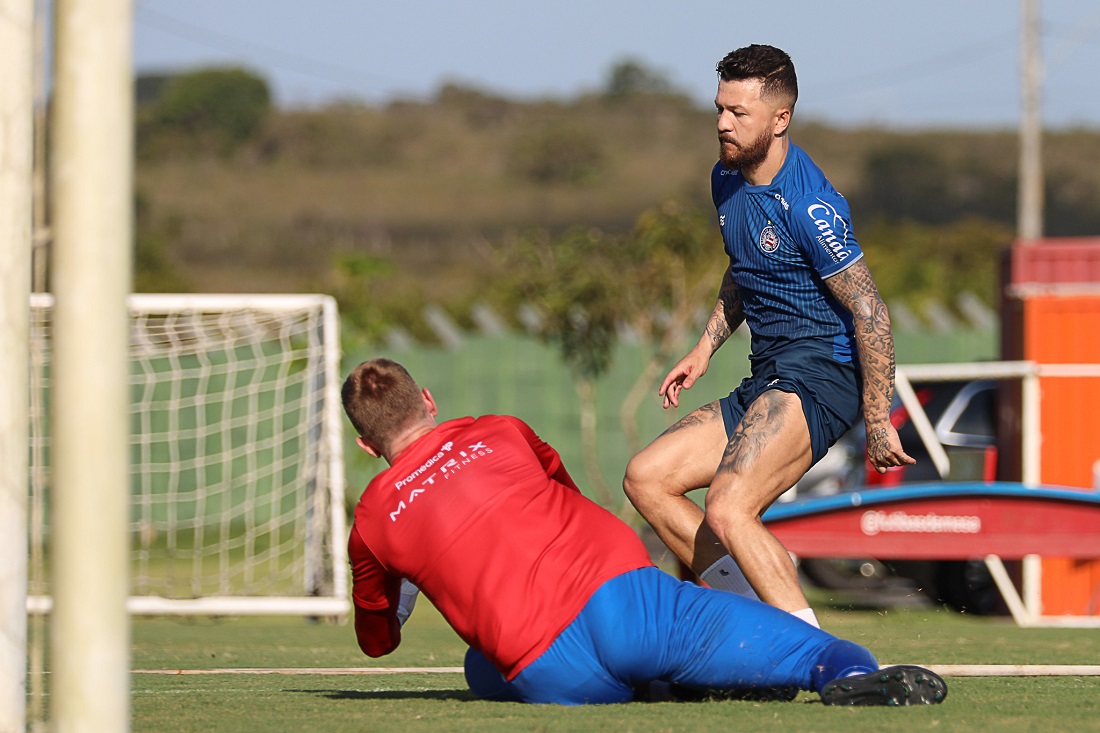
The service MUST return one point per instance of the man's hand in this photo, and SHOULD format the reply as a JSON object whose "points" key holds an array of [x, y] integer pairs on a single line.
{"points": [[683, 376], [884, 448]]}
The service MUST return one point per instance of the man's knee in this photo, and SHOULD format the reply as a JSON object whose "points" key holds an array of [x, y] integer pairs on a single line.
{"points": [[728, 516], [639, 484], [485, 680]]}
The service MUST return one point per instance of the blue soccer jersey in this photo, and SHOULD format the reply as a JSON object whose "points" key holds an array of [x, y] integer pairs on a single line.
{"points": [[783, 239]]}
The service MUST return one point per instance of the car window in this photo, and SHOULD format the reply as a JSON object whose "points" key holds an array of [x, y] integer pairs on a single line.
{"points": [[970, 418], [977, 416]]}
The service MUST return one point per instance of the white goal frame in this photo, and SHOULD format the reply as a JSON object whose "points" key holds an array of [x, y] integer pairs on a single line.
{"points": [[325, 594]]}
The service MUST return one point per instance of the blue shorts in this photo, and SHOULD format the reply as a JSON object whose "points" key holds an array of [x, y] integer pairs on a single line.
{"points": [[646, 625], [830, 391]]}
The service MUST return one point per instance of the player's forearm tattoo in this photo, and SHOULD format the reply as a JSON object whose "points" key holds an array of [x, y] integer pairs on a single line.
{"points": [[717, 328], [856, 291], [728, 313]]}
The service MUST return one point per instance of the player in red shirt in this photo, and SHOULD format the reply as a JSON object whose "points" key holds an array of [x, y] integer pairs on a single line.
{"points": [[557, 597]]}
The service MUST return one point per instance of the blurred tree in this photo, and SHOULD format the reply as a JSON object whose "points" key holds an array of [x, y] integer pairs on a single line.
{"points": [[213, 110], [350, 138], [588, 285], [568, 279], [632, 78], [557, 153], [149, 87], [481, 109], [378, 297], [1072, 202], [357, 278], [917, 263], [902, 181], [674, 270], [915, 181], [154, 271]]}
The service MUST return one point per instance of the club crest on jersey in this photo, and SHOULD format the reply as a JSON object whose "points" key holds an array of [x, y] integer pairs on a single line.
{"points": [[769, 239]]}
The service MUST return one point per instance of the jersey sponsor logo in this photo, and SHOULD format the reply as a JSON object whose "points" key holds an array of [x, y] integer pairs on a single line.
{"points": [[443, 471], [721, 220], [782, 202], [769, 239], [873, 523], [828, 221], [443, 450]]}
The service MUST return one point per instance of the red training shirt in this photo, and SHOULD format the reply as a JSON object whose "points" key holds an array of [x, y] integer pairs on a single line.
{"points": [[482, 516]]}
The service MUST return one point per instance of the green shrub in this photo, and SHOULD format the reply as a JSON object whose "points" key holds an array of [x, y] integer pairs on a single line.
{"points": [[559, 153], [211, 110]]}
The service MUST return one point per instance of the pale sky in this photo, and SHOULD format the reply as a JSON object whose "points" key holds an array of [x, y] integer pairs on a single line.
{"points": [[944, 63]]}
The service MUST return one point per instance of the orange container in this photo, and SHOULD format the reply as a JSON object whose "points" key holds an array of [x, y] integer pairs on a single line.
{"points": [[1061, 325], [1066, 330]]}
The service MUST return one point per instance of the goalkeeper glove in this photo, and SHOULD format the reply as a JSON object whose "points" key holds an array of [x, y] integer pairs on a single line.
{"points": [[409, 592]]}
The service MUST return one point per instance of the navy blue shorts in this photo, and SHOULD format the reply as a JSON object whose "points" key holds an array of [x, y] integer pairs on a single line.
{"points": [[830, 391], [646, 625]]}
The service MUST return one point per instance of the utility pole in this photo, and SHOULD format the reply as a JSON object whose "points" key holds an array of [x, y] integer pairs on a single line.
{"points": [[1029, 200]]}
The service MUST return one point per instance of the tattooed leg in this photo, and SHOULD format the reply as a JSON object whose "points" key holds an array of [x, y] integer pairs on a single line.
{"points": [[658, 479], [767, 454]]}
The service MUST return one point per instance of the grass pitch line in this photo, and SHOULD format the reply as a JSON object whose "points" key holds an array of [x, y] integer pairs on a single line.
{"points": [[944, 670], [1015, 670]]}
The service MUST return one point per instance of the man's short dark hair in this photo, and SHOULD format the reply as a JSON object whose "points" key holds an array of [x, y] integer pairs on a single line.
{"points": [[380, 398], [770, 65]]}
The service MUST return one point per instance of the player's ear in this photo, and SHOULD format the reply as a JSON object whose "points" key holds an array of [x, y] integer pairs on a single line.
{"points": [[782, 121], [368, 446], [429, 402]]}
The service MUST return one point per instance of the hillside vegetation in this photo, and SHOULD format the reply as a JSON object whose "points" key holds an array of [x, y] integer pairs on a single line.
{"points": [[392, 208]]}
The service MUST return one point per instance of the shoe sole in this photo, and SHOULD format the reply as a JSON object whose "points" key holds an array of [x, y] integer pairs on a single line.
{"points": [[900, 685]]}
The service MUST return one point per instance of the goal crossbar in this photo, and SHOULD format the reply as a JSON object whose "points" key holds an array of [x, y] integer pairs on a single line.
{"points": [[237, 475]]}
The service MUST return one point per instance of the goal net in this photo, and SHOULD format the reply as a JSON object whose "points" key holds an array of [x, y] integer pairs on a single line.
{"points": [[236, 480]]}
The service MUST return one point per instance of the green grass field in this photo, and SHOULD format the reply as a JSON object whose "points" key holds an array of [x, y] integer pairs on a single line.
{"points": [[236, 703], [440, 702]]}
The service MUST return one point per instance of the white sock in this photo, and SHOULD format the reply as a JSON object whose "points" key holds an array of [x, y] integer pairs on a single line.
{"points": [[807, 615], [726, 575]]}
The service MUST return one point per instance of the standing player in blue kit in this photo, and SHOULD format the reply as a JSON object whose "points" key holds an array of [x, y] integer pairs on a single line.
{"points": [[822, 349]]}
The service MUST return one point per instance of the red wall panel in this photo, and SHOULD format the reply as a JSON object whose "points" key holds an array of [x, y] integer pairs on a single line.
{"points": [[1057, 261]]}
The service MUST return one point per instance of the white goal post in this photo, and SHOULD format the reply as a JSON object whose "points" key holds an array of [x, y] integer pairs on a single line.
{"points": [[237, 474]]}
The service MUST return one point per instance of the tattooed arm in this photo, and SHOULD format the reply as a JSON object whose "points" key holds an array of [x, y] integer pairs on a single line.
{"points": [[724, 320], [727, 316], [856, 291]]}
